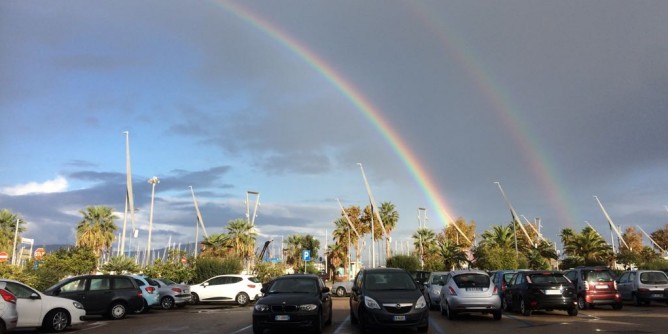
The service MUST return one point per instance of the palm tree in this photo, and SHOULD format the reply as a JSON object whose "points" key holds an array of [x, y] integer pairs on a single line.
{"points": [[294, 248], [215, 245], [424, 240], [388, 213], [8, 229], [97, 229], [241, 235], [453, 255], [501, 236], [354, 214], [336, 256], [588, 246]]}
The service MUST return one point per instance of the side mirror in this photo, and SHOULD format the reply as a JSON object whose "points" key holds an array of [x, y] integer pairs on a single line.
{"points": [[355, 289], [205, 284], [325, 289], [34, 296]]}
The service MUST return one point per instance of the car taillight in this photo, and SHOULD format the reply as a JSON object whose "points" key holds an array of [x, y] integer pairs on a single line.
{"points": [[252, 286], [452, 291], [140, 294], [150, 289], [496, 291], [8, 296], [177, 290], [586, 284]]}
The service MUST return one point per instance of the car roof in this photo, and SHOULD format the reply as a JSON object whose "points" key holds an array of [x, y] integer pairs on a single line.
{"points": [[468, 271]]}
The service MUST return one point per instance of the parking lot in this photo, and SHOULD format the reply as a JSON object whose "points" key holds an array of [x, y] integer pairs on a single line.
{"points": [[230, 319]]}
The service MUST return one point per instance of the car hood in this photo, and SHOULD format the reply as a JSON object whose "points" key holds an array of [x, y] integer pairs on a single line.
{"points": [[289, 298], [394, 296]]}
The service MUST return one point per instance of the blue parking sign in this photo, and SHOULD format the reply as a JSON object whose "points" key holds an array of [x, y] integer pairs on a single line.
{"points": [[306, 255]]}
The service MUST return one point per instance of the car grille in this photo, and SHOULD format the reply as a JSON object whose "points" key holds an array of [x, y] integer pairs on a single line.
{"points": [[284, 308], [398, 308]]}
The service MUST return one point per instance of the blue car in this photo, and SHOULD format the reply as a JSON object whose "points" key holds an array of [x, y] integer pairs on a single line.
{"points": [[149, 289]]}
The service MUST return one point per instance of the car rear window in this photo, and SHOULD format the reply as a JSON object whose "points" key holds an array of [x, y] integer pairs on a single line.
{"points": [[471, 280], [548, 278], [438, 279], [598, 276], [653, 278], [123, 283], [254, 279]]}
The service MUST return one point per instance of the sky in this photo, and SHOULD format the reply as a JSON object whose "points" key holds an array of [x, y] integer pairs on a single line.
{"points": [[558, 101]]}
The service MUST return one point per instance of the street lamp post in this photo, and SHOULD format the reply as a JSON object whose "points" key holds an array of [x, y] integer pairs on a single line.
{"points": [[153, 181]]}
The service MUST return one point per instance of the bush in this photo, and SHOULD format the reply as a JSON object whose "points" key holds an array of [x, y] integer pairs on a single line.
{"points": [[207, 267], [406, 262], [267, 271]]}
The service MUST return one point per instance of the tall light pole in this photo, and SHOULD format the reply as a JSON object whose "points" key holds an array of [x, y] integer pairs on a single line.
{"points": [[374, 213], [129, 197], [153, 181], [422, 224]]}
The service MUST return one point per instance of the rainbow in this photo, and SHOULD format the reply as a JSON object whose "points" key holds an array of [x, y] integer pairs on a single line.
{"points": [[350, 92], [527, 141]]}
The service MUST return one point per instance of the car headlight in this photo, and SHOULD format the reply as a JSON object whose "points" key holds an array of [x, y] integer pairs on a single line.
{"points": [[78, 305], [308, 307], [261, 307], [421, 303], [370, 303]]}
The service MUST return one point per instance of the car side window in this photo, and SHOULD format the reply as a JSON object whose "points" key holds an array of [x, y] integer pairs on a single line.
{"points": [[99, 284], [18, 290], [74, 286], [217, 281], [122, 283], [139, 282], [624, 278], [232, 280]]}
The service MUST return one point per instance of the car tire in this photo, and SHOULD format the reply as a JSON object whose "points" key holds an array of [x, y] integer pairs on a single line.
{"points": [[55, 321], [504, 304], [363, 321], [340, 291], [353, 318], [195, 298], [167, 303], [617, 306], [144, 309], [497, 314], [317, 326], [242, 299], [573, 311], [117, 311], [524, 310], [582, 303], [329, 317], [452, 315]]}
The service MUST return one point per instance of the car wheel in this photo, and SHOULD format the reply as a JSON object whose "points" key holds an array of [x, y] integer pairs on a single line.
{"points": [[242, 299], [317, 325], [450, 313], [498, 314], [195, 299], [523, 308], [258, 330], [636, 300], [353, 318], [56, 321], [329, 317], [340, 291], [504, 304], [573, 311], [582, 304], [167, 302], [363, 320], [118, 311], [617, 306]]}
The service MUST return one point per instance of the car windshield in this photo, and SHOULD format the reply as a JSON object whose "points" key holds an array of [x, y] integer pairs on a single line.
{"points": [[471, 280], [438, 279], [548, 278], [389, 281], [598, 276], [653, 278], [294, 285]]}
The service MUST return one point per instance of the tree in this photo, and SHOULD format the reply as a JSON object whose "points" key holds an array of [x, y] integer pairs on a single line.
{"points": [[425, 243], [241, 235], [65, 262], [215, 245], [660, 236], [8, 229], [389, 215], [451, 233], [494, 257], [120, 265], [298, 243], [453, 255], [499, 236], [633, 239], [97, 229], [587, 246]]}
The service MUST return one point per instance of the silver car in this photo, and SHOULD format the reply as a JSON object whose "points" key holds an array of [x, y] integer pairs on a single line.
{"points": [[172, 294], [8, 314], [467, 291], [341, 289], [432, 288], [643, 286]]}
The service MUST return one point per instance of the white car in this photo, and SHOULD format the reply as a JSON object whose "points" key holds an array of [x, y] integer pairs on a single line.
{"points": [[8, 314], [223, 288], [36, 309]]}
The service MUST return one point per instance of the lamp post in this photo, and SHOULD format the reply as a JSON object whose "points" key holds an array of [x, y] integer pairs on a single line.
{"points": [[153, 181]]}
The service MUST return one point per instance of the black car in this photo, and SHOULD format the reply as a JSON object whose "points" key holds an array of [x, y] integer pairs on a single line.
{"points": [[387, 297], [293, 302], [110, 295], [545, 290]]}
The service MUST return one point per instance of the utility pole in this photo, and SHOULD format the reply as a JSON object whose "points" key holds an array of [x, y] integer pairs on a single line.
{"points": [[153, 181]]}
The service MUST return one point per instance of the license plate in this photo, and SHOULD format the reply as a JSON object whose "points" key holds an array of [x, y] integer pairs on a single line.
{"points": [[601, 287], [552, 292], [657, 295], [473, 289], [282, 317], [399, 318]]}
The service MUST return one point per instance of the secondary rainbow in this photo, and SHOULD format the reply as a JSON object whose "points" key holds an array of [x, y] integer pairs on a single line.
{"points": [[350, 92]]}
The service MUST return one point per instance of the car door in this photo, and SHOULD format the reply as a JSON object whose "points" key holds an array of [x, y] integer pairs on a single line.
{"points": [[76, 290], [231, 286], [213, 288], [28, 305], [355, 292], [625, 285], [99, 294]]}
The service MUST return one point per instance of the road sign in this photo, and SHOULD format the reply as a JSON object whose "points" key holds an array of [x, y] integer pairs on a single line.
{"points": [[4, 256], [39, 253], [306, 255]]}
